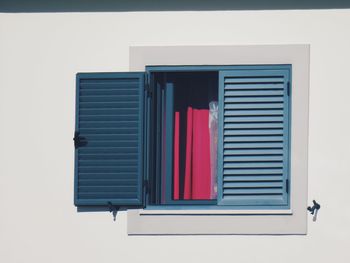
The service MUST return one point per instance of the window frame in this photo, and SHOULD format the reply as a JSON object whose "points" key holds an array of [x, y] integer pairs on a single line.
{"points": [[214, 204], [286, 221]]}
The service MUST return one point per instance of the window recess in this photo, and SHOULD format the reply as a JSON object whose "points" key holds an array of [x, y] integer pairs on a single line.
{"points": [[182, 103]]}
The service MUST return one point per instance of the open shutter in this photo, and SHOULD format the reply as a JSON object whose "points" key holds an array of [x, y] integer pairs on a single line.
{"points": [[253, 158], [109, 139]]}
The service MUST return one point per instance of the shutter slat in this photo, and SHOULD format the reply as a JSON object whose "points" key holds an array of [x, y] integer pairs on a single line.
{"points": [[252, 79], [110, 119], [113, 144], [109, 131], [252, 171], [252, 151], [254, 119], [252, 99], [106, 98], [109, 91], [254, 137], [109, 150], [249, 191], [264, 112], [253, 185], [228, 125], [116, 117], [100, 197], [112, 137], [107, 169], [109, 124], [256, 199], [106, 182], [111, 85], [108, 189], [265, 86], [255, 93], [253, 106], [107, 156], [109, 105], [111, 111], [108, 176], [253, 165], [254, 132], [253, 178], [98, 78], [253, 158], [106, 163], [254, 145]]}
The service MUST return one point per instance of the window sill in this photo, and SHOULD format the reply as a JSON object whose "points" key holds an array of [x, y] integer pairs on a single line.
{"points": [[216, 212], [216, 222]]}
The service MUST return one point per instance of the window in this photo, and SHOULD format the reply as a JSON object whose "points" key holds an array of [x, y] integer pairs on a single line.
{"points": [[143, 141], [253, 145]]}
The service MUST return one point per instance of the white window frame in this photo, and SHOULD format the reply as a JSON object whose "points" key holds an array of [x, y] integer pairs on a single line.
{"points": [[291, 221]]}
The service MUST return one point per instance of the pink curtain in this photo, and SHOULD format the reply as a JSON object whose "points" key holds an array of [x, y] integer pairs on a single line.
{"points": [[188, 160], [197, 183], [201, 180]]}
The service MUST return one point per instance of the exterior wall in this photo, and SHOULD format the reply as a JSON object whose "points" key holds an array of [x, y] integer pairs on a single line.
{"points": [[39, 56]]}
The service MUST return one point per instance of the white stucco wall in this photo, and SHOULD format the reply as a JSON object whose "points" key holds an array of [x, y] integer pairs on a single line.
{"points": [[39, 56]]}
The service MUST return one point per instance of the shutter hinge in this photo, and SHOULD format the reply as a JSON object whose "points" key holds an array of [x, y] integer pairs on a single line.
{"points": [[146, 186], [288, 88], [79, 140], [148, 85], [287, 186]]}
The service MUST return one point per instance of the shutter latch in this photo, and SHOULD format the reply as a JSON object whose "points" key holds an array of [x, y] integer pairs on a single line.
{"points": [[79, 140], [113, 209], [287, 186]]}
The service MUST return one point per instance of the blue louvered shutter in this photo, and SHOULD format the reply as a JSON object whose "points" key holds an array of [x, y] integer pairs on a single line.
{"points": [[253, 157], [109, 131]]}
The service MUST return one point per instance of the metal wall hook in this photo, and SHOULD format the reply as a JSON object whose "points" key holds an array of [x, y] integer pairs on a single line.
{"points": [[314, 209]]}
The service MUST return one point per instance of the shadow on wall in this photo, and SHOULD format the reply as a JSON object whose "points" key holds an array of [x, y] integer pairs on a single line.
{"points": [[18, 6]]}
